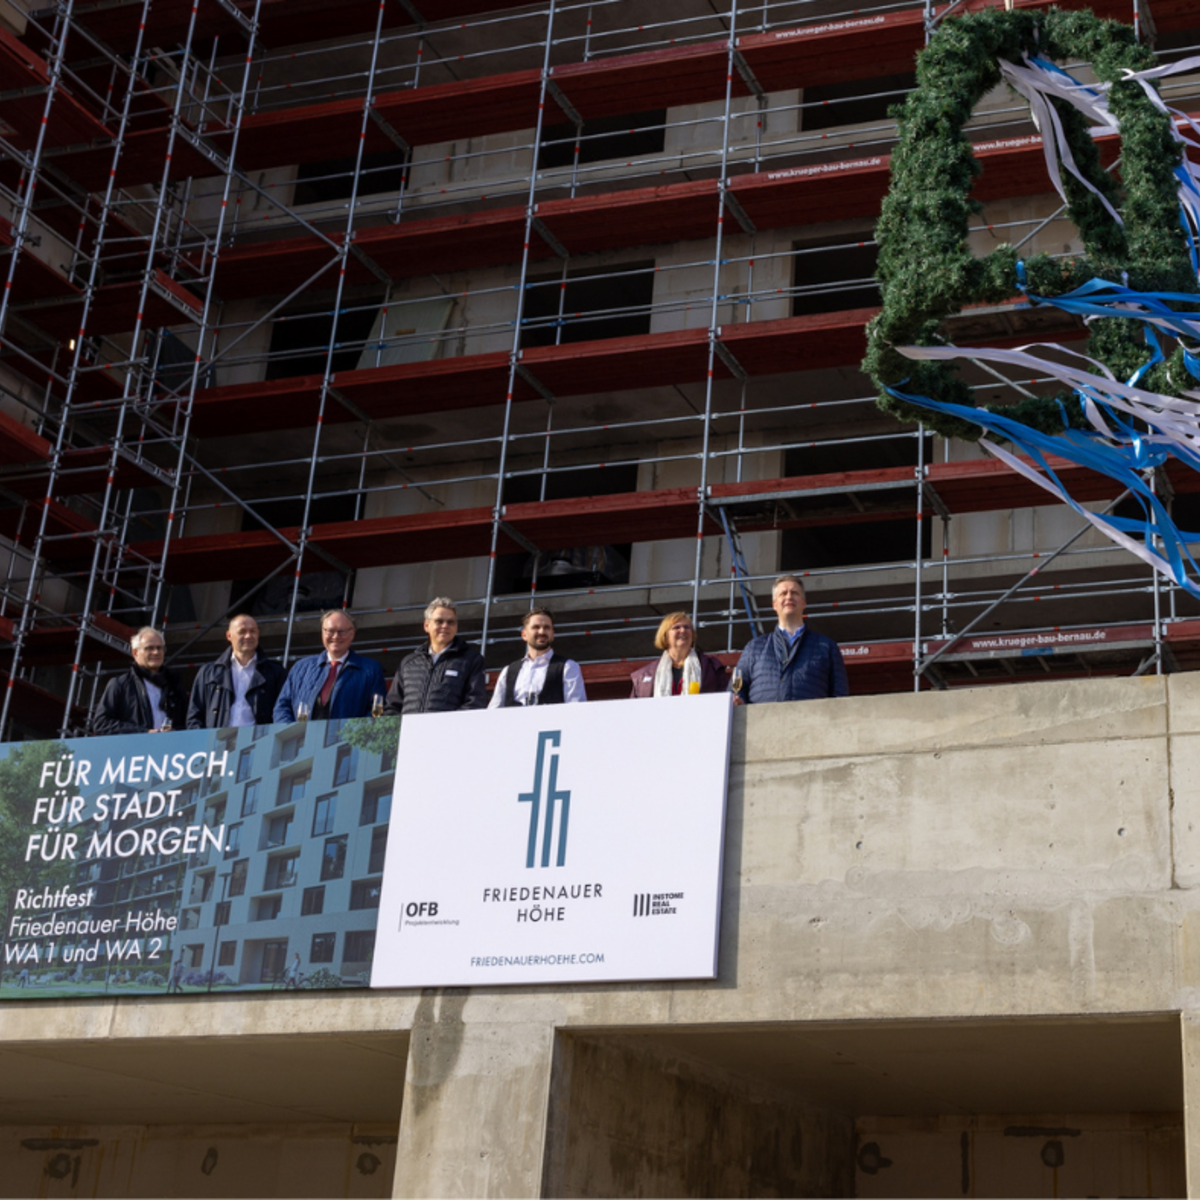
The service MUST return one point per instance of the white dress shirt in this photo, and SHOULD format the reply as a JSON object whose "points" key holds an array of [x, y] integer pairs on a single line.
{"points": [[158, 714], [241, 713], [532, 678]]}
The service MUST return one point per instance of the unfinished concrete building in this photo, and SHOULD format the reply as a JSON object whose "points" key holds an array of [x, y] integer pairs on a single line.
{"points": [[310, 304], [600, 274]]}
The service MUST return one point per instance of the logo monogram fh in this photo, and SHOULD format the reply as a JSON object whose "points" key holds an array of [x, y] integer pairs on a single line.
{"points": [[553, 797]]}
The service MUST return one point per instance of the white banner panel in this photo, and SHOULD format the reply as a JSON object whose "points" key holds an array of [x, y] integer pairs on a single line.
{"points": [[556, 844]]}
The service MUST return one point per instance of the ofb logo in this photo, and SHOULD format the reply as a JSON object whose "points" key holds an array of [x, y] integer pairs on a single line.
{"points": [[553, 797]]}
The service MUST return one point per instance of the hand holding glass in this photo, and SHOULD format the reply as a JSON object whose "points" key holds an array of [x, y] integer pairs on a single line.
{"points": [[303, 710]]}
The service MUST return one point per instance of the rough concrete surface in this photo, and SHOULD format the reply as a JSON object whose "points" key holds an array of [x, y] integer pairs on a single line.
{"points": [[973, 864]]}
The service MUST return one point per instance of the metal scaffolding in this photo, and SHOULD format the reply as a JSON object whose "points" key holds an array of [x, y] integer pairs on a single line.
{"points": [[297, 313]]}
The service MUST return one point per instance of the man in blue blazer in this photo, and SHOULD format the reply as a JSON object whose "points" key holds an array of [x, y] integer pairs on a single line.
{"points": [[336, 683]]}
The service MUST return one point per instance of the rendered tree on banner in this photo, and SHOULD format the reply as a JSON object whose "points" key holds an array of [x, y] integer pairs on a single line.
{"points": [[20, 786], [380, 735], [1133, 403]]}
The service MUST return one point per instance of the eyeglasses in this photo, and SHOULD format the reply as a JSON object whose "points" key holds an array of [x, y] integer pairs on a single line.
{"points": [[443, 620], [337, 632]]}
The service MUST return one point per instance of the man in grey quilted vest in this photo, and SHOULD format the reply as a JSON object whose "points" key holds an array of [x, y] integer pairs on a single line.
{"points": [[792, 662], [444, 676]]}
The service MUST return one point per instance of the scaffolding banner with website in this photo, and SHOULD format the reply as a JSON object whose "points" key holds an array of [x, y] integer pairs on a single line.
{"points": [[243, 859], [556, 844]]}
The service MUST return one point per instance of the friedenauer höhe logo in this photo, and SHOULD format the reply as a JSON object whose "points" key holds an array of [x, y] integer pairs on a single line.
{"points": [[547, 770]]}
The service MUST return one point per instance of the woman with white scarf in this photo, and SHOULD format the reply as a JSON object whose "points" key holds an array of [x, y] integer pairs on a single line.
{"points": [[682, 670]]}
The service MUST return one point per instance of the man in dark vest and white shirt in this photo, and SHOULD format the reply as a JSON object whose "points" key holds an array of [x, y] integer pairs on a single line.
{"points": [[540, 677]]}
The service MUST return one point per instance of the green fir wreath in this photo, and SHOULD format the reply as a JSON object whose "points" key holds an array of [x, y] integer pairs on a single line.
{"points": [[926, 270]]}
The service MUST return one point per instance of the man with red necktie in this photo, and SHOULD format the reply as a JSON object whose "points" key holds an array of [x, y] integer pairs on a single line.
{"points": [[336, 683]]}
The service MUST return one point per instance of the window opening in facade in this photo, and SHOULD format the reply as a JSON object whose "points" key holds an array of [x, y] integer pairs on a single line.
{"points": [[610, 303], [854, 101], [323, 948], [333, 858], [834, 274], [324, 182], [624, 136]]}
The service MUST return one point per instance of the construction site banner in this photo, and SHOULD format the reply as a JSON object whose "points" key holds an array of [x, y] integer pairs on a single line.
{"points": [[210, 860], [557, 844]]}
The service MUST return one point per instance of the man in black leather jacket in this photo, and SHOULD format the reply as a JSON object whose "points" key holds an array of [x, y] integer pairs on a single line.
{"points": [[148, 697], [444, 676], [241, 687]]}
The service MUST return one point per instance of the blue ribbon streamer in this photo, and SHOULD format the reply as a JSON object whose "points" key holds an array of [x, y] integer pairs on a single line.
{"points": [[1121, 464]]}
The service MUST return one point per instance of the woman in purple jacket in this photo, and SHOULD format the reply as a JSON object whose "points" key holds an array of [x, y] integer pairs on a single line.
{"points": [[681, 665]]}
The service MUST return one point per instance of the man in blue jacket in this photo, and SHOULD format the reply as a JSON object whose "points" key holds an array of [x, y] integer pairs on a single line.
{"points": [[792, 662], [336, 683]]}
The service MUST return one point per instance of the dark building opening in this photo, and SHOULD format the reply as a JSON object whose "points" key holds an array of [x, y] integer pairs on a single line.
{"points": [[576, 566], [333, 179], [853, 101], [593, 306], [320, 586], [627, 135], [854, 542], [299, 340], [834, 274]]}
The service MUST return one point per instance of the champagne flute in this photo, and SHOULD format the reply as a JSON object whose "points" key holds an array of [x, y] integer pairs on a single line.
{"points": [[303, 710], [377, 706], [736, 683], [166, 726]]}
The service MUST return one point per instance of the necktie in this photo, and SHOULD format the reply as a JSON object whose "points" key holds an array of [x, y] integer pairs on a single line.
{"points": [[327, 686]]}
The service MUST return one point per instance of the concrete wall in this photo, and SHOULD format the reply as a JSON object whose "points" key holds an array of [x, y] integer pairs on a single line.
{"points": [[946, 914], [635, 1122], [212, 1161]]}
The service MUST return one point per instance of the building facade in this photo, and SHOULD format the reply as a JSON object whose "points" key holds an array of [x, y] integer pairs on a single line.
{"points": [[600, 275]]}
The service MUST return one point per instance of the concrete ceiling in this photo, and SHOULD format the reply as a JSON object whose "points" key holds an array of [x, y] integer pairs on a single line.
{"points": [[204, 1080], [932, 1068]]}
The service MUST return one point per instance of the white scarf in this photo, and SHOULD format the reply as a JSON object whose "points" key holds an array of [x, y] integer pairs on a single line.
{"points": [[662, 674]]}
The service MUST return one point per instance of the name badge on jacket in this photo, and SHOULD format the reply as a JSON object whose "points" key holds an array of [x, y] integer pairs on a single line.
{"points": [[451, 673]]}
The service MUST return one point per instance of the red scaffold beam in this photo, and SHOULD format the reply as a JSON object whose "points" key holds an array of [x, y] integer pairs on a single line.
{"points": [[974, 486]]}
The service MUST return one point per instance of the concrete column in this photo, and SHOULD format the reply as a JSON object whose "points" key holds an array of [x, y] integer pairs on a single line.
{"points": [[1190, 1036], [476, 1095]]}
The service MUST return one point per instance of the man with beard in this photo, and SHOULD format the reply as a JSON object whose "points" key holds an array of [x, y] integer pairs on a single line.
{"points": [[540, 677], [148, 698]]}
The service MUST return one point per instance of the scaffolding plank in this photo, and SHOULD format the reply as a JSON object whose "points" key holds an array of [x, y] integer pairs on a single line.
{"points": [[24, 80], [575, 369], [35, 279], [61, 523], [670, 76], [38, 709], [670, 213], [973, 486], [282, 22], [20, 444], [437, 113], [54, 645], [114, 309]]}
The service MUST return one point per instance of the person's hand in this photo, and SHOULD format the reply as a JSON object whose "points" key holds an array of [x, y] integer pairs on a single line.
{"points": [[738, 701]]}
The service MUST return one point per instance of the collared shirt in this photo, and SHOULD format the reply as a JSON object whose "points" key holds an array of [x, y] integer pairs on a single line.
{"points": [[158, 714], [790, 634], [241, 713], [532, 678]]}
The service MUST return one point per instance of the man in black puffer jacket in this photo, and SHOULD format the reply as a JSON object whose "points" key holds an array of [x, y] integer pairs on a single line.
{"points": [[444, 676]]}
